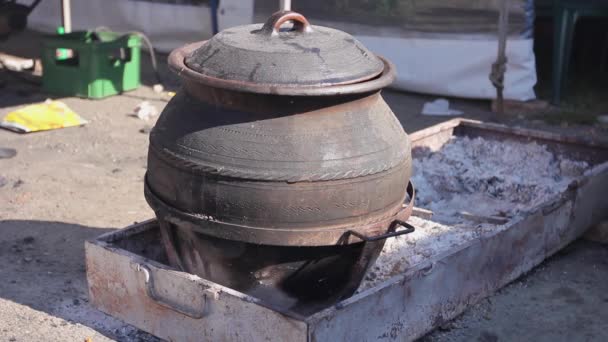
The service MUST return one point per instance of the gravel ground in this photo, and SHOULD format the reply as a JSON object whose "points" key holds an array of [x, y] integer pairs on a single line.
{"points": [[563, 299], [69, 185], [61, 188]]}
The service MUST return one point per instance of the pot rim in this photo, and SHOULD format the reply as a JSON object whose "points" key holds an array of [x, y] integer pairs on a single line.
{"points": [[326, 235], [177, 64]]}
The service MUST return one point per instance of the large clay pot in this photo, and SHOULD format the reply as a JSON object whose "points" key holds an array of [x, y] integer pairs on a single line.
{"points": [[279, 138]]}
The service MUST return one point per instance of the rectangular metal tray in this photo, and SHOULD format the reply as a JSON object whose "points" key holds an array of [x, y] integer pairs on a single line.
{"points": [[128, 277]]}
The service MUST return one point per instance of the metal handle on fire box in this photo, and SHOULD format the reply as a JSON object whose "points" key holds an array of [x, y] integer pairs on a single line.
{"points": [[409, 229], [151, 292]]}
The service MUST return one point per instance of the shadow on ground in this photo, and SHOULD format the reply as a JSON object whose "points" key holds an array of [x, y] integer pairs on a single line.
{"points": [[15, 91], [42, 265]]}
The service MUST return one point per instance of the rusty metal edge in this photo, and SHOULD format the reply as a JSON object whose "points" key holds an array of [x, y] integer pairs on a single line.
{"points": [[435, 129], [536, 134], [516, 131]]}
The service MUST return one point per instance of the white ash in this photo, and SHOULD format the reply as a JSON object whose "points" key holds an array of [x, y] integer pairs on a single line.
{"points": [[489, 178], [482, 177], [426, 242]]}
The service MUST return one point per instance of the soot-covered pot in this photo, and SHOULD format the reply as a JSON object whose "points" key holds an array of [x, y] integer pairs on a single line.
{"points": [[278, 159]]}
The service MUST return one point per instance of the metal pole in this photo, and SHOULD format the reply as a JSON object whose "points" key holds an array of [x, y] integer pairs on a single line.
{"points": [[285, 5], [214, 23], [497, 75], [66, 15]]}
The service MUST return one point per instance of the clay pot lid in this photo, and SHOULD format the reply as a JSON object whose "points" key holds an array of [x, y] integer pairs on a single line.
{"points": [[261, 58]]}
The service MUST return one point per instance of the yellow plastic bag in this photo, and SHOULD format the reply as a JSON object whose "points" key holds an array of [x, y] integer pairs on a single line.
{"points": [[41, 117]]}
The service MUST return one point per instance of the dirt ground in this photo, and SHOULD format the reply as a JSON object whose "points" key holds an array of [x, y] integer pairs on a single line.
{"points": [[69, 185]]}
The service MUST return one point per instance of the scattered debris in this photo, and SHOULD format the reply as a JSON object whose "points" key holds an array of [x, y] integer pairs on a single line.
{"points": [[14, 63], [439, 107], [6, 153], [146, 130], [145, 110], [41, 116], [423, 213], [158, 88], [483, 219]]}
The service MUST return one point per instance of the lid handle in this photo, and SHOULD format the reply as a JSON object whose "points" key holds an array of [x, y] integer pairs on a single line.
{"points": [[273, 24]]}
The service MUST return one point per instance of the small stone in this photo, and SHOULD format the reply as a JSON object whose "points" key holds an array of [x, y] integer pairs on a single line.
{"points": [[28, 259], [28, 239], [18, 183], [76, 301], [116, 170], [447, 326], [12, 339], [145, 130], [6, 153]]}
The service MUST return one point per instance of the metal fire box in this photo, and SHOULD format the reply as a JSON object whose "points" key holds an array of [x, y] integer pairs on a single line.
{"points": [[128, 277]]}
